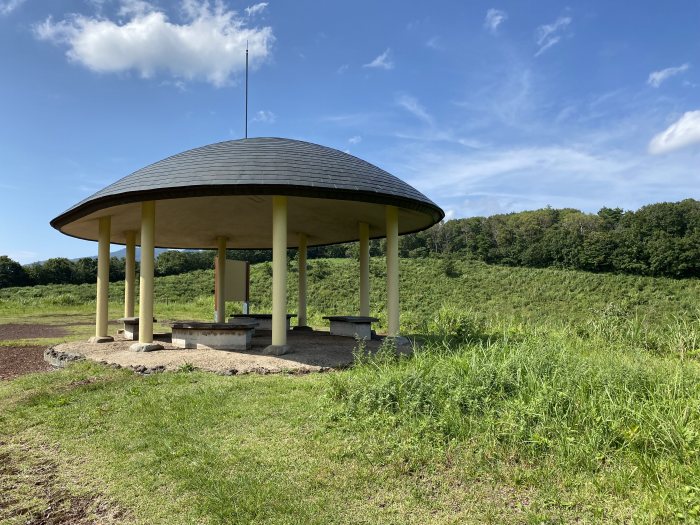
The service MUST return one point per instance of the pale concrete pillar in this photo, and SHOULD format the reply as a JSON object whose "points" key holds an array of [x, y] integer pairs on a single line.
{"points": [[301, 310], [221, 280], [364, 269], [129, 273], [392, 270], [102, 313], [279, 276], [148, 230]]}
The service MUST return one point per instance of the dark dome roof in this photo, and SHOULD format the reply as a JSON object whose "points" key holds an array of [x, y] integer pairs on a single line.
{"points": [[257, 166]]}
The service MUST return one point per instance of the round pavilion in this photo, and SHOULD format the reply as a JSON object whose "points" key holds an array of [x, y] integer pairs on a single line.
{"points": [[250, 193]]}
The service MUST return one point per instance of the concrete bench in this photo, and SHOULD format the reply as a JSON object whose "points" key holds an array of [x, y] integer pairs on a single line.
{"points": [[215, 336], [131, 327], [264, 320], [351, 325]]}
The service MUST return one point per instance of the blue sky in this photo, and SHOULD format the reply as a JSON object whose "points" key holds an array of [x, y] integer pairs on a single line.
{"points": [[486, 107]]}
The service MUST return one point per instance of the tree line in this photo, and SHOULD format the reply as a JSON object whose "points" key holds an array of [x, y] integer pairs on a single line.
{"points": [[60, 270], [658, 240]]}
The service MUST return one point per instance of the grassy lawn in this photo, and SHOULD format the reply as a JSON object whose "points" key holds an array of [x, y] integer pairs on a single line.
{"points": [[540, 396], [194, 447]]}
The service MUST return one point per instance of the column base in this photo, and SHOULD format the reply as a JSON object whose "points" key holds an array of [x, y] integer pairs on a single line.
{"points": [[145, 347], [397, 340], [277, 350], [303, 328], [101, 339]]}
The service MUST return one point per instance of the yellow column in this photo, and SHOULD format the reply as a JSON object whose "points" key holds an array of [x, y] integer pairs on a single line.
{"points": [[148, 227], [221, 280], [102, 313], [129, 273], [301, 310], [364, 269], [392, 270], [279, 274]]}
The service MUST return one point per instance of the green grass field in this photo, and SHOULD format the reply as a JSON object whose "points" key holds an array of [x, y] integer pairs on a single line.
{"points": [[539, 396]]}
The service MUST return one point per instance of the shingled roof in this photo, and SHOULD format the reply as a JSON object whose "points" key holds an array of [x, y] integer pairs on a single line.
{"points": [[257, 166]]}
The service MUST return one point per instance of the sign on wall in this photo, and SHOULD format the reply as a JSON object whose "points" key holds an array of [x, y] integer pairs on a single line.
{"points": [[237, 280]]}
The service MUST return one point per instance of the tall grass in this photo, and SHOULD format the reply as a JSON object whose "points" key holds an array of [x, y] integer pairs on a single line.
{"points": [[620, 417]]}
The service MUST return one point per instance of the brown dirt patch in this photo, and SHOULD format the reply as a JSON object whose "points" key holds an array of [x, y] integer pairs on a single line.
{"points": [[11, 331], [34, 493], [19, 360]]}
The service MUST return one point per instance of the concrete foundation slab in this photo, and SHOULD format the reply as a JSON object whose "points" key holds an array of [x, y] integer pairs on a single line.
{"points": [[314, 351]]}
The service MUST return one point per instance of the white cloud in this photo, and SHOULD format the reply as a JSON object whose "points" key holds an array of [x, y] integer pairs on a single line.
{"points": [[494, 18], [684, 132], [7, 6], [414, 107], [256, 9], [342, 69], [549, 34], [355, 140], [265, 116], [657, 77], [209, 46], [383, 61]]}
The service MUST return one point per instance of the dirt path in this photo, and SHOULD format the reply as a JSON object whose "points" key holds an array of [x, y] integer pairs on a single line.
{"points": [[9, 332], [33, 492], [19, 360]]}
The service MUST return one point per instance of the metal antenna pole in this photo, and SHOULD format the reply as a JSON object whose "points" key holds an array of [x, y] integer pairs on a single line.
{"points": [[246, 89]]}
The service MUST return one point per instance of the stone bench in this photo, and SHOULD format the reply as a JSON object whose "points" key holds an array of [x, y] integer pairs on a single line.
{"points": [[264, 320], [131, 327], [215, 336], [351, 325]]}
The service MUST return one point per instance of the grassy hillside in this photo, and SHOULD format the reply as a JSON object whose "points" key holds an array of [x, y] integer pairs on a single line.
{"points": [[655, 314], [538, 396]]}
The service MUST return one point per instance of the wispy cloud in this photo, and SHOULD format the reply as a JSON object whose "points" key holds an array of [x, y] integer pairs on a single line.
{"points": [[265, 116], [383, 61], [208, 46], [656, 78], [548, 35], [414, 107], [494, 18], [461, 172], [682, 133], [512, 178], [342, 69], [256, 9], [355, 140], [434, 43], [507, 98], [7, 6], [133, 7]]}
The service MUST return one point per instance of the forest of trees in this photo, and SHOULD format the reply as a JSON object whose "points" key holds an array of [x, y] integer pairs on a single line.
{"points": [[659, 240]]}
